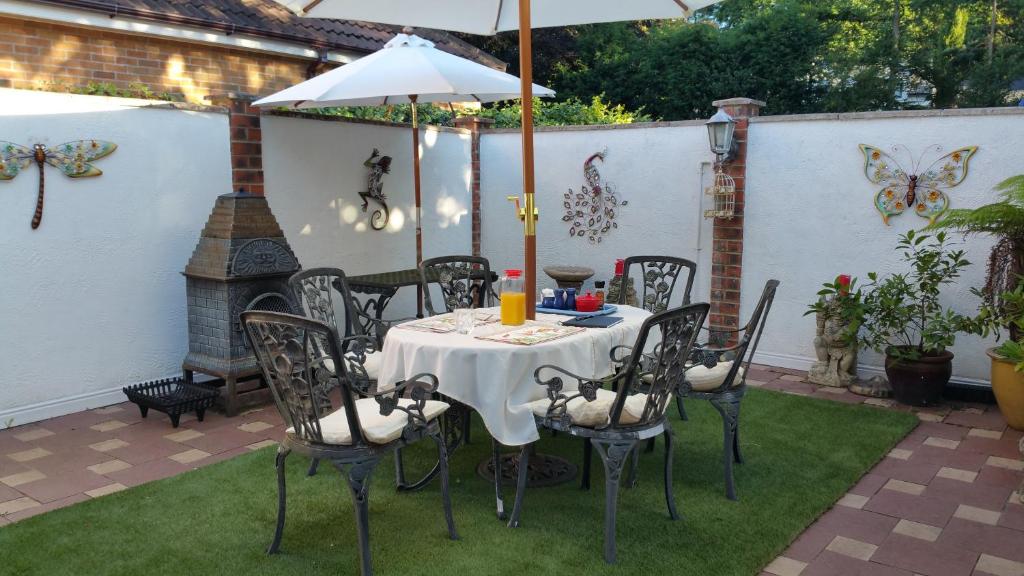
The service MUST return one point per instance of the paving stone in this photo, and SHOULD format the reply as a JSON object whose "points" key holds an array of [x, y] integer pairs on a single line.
{"points": [[253, 427], [853, 501], [929, 417], [869, 484], [223, 439], [900, 454], [975, 514], [108, 445], [29, 455], [72, 460], [939, 430], [109, 466], [943, 457], [1006, 446], [999, 566], [22, 478], [956, 474], [792, 378], [983, 433], [862, 525], [149, 471], [941, 442], [881, 402], [905, 487], [184, 435], [906, 470], [17, 505], [994, 476], [783, 566], [989, 419], [109, 410], [1012, 516], [852, 548], [917, 530], [983, 539], [262, 444], [917, 508], [1008, 463], [36, 434], [926, 558], [48, 506], [63, 485], [108, 426], [104, 490], [975, 494], [139, 452], [189, 456]]}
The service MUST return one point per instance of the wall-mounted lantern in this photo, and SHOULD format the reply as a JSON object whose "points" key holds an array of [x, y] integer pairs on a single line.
{"points": [[721, 129]]}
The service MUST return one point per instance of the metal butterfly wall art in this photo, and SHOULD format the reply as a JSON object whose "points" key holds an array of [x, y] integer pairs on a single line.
{"points": [[71, 158], [921, 191]]}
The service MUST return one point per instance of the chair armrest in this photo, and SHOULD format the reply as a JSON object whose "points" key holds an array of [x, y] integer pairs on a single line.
{"points": [[627, 352], [419, 389], [585, 388]]}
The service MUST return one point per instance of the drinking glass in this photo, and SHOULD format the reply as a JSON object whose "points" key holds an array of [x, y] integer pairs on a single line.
{"points": [[465, 319]]}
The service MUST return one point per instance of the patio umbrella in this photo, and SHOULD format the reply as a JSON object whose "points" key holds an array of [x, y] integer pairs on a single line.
{"points": [[409, 69], [488, 17]]}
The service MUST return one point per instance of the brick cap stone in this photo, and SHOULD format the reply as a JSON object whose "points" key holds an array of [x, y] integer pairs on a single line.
{"points": [[738, 102], [222, 96], [469, 121]]}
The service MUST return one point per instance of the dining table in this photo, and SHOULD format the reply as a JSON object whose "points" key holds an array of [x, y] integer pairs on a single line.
{"points": [[496, 378]]}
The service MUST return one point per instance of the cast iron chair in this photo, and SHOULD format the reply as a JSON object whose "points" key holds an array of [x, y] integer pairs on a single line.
{"points": [[616, 422], [659, 275], [303, 363], [465, 282], [720, 378], [319, 291]]}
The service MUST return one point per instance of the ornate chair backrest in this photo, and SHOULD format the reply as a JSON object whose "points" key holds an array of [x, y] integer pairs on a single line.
{"points": [[465, 281], [656, 374], [300, 359], [315, 292], [747, 346], [658, 278]]}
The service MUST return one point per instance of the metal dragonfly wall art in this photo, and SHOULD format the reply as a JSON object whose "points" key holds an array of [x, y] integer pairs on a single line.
{"points": [[71, 158], [919, 190]]}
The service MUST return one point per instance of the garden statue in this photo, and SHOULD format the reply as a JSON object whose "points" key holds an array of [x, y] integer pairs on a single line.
{"points": [[837, 354], [379, 166]]}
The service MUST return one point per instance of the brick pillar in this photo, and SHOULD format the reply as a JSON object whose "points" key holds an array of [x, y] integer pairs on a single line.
{"points": [[475, 124], [727, 244], [246, 141]]}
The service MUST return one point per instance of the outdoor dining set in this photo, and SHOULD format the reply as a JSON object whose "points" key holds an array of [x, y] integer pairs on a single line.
{"points": [[357, 391]]}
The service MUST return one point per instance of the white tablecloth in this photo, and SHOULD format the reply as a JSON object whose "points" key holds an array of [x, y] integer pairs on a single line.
{"points": [[496, 379]]}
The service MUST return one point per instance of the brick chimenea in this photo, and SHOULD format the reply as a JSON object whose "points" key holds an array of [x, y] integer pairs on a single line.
{"points": [[727, 247]]}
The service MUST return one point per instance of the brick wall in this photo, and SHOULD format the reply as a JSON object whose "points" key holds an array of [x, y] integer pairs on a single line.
{"points": [[727, 246], [35, 55], [246, 140]]}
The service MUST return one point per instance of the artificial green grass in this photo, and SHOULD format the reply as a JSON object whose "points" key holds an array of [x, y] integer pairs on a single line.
{"points": [[801, 455]]}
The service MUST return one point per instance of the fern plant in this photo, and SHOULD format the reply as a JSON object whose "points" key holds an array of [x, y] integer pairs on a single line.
{"points": [[1005, 221]]}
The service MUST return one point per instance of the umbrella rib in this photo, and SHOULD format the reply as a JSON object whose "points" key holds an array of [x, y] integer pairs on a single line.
{"points": [[686, 9], [497, 17]]}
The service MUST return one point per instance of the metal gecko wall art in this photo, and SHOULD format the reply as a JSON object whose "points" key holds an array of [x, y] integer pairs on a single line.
{"points": [[379, 166], [919, 190], [592, 211], [71, 158]]}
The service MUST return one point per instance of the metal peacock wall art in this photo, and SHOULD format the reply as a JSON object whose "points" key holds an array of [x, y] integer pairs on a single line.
{"points": [[592, 211], [71, 158]]}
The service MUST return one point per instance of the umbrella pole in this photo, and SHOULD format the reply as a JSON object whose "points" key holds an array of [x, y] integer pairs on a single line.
{"points": [[419, 209], [530, 210]]}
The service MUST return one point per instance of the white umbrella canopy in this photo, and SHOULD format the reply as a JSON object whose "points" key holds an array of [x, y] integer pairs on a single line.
{"points": [[488, 17], [407, 65]]}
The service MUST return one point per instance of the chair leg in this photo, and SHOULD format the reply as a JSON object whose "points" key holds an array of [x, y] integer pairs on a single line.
{"points": [[313, 466], [634, 467], [467, 423], [282, 453], [496, 459], [446, 497], [682, 409], [650, 445], [588, 451], [357, 474], [399, 470], [670, 496], [614, 455], [736, 441], [524, 473], [729, 408]]}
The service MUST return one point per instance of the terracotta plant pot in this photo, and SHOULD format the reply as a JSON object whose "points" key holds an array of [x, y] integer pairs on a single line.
{"points": [[1008, 386], [919, 382]]}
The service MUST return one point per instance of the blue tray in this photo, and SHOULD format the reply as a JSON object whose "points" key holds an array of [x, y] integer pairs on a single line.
{"points": [[608, 309]]}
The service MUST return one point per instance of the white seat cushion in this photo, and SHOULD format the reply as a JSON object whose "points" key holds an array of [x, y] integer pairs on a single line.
{"points": [[598, 412], [371, 365], [704, 379], [377, 429]]}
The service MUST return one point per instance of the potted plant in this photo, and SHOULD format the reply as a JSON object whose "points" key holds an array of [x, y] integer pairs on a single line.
{"points": [[904, 319], [1003, 295]]}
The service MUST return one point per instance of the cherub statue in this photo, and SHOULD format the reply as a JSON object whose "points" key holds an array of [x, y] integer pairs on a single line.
{"points": [[379, 166]]}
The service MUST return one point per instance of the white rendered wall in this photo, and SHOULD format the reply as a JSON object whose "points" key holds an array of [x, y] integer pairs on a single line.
{"points": [[314, 172], [810, 217], [94, 299], [660, 169]]}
